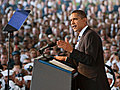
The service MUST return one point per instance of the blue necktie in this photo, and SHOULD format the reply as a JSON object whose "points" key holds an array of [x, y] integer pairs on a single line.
{"points": [[78, 38]]}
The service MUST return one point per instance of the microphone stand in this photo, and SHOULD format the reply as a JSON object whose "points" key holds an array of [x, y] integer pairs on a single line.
{"points": [[8, 58], [8, 67]]}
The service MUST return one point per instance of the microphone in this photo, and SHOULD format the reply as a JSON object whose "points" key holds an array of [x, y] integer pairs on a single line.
{"points": [[48, 45]]}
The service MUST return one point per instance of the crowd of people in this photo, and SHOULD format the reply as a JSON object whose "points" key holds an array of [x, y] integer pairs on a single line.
{"points": [[49, 22]]}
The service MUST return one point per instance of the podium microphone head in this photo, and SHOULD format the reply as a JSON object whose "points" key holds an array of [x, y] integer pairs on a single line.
{"points": [[47, 46]]}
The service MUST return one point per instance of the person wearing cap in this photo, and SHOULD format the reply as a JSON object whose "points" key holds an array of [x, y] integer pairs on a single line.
{"points": [[23, 2], [27, 29], [20, 6], [11, 78], [11, 74], [29, 68], [26, 61], [16, 58], [23, 56]]}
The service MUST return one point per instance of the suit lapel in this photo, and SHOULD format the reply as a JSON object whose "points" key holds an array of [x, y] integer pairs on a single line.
{"points": [[82, 38]]}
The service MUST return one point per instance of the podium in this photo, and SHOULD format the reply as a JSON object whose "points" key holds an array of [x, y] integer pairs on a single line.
{"points": [[47, 76]]}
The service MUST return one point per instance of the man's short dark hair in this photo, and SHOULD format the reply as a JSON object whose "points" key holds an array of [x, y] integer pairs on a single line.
{"points": [[81, 13]]}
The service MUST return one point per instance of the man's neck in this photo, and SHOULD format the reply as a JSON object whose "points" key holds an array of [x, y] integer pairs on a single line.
{"points": [[83, 30]]}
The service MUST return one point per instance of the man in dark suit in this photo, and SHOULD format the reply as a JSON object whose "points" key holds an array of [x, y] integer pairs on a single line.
{"points": [[87, 57]]}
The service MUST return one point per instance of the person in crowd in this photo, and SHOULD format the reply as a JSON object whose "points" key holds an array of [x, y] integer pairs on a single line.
{"points": [[33, 53], [16, 58], [107, 55], [109, 77], [20, 83], [26, 61], [11, 78], [4, 59], [113, 48], [117, 84]]}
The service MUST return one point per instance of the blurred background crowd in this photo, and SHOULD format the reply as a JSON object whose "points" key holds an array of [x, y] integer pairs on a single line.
{"points": [[48, 22]]}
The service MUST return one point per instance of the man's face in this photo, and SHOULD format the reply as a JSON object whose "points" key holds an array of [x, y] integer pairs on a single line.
{"points": [[33, 54], [113, 48], [77, 23], [107, 54], [4, 59], [16, 57]]}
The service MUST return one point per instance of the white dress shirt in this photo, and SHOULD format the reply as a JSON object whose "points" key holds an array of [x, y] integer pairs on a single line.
{"points": [[80, 35]]}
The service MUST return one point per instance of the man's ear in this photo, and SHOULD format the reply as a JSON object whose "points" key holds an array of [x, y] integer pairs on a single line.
{"points": [[85, 19]]}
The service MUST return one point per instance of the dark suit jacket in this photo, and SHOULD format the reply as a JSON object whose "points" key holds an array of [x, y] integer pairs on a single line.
{"points": [[87, 58]]}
